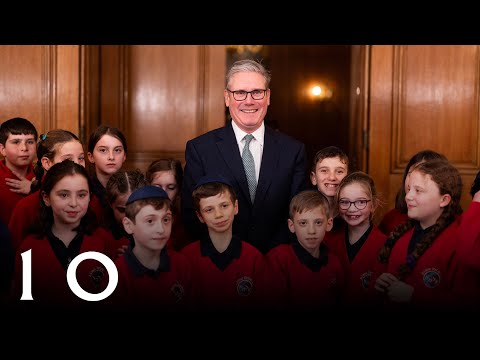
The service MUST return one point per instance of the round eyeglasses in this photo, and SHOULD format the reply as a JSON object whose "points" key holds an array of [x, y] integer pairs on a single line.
{"points": [[240, 95], [359, 204]]}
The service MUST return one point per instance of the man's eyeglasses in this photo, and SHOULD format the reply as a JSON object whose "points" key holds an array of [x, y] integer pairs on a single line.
{"points": [[359, 204], [240, 95]]}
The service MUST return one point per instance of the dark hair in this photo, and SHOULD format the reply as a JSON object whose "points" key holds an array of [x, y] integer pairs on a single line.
{"points": [[56, 173], [169, 164], [47, 146], [123, 182], [106, 130], [211, 189], [449, 181], [17, 126], [308, 200], [424, 155], [329, 152]]}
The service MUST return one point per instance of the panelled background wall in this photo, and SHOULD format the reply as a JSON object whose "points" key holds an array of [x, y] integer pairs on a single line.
{"points": [[42, 84], [422, 97], [159, 96], [401, 99]]}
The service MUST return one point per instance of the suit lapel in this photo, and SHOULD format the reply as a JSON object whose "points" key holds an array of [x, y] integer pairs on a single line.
{"points": [[228, 148]]}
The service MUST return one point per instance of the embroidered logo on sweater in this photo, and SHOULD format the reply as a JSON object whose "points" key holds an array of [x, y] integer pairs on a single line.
{"points": [[244, 286], [177, 291], [96, 275], [431, 277], [365, 279]]}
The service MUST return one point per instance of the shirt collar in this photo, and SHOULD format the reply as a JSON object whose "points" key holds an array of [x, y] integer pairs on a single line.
{"points": [[137, 267], [308, 260], [221, 260], [418, 228], [258, 134]]}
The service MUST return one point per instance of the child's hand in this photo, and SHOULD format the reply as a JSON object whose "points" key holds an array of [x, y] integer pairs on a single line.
{"points": [[384, 281], [21, 186], [400, 292]]}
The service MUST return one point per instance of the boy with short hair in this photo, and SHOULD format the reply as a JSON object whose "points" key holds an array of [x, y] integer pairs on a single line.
{"points": [[18, 138], [225, 269], [304, 275], [330, 166], [150, 276]]}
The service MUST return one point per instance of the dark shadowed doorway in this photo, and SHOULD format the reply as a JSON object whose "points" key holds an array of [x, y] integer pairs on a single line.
{"points": [[310, 86]]}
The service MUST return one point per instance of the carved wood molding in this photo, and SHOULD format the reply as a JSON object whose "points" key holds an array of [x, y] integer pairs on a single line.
{"points": [[49, 86], [399, 158]]}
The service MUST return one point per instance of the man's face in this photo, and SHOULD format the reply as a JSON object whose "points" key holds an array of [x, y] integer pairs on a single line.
{"points": [[248, 114]]}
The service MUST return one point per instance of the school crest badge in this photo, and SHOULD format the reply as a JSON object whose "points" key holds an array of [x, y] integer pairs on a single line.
{"points": [[177, 291], [365, 279], [244, 286], [431, 277]]}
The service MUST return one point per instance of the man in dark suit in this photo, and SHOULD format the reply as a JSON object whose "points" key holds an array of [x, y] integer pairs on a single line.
{"points": [[266, 168]]}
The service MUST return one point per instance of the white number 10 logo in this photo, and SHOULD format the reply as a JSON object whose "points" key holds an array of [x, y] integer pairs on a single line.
{"points": [[71, 277]]}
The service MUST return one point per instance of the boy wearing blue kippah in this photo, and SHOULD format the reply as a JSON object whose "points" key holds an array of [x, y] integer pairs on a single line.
{"points": [[150, 275], [225, 269]]}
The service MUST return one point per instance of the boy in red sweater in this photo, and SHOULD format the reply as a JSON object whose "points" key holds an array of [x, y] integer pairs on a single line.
{"points": [[150, 276], [18, 138], [225, 269], [305, 275]]}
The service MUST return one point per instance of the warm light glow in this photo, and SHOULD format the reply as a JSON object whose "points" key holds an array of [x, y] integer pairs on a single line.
{"points": [[320, 92], [316, 90], [240, 49]]}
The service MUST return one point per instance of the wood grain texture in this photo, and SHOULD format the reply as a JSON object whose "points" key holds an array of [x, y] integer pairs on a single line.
{"points": [[423, 97], [161, 96], [41, 84]]}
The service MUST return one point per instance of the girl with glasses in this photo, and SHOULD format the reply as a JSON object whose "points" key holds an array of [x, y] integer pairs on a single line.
{"points": [[358, 245]]}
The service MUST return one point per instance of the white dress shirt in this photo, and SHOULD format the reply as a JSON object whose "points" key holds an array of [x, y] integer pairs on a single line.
{"points": [[256, 145]]}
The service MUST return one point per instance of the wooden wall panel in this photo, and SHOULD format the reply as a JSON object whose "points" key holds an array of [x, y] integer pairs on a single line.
{"points": [[23, 70], [435, 90], [380, 126], [112, 84], [165, 88], [40, 83], [67, 88], [423, 97], [358, 115], [161, 96]]}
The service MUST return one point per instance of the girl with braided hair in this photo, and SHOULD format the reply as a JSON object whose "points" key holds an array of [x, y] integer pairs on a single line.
{"points": [[418, 258], [398, 215]]}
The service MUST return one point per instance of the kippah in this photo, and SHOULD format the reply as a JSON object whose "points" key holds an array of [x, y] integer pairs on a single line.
{"points": [[147, 192], [216, 178]]}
